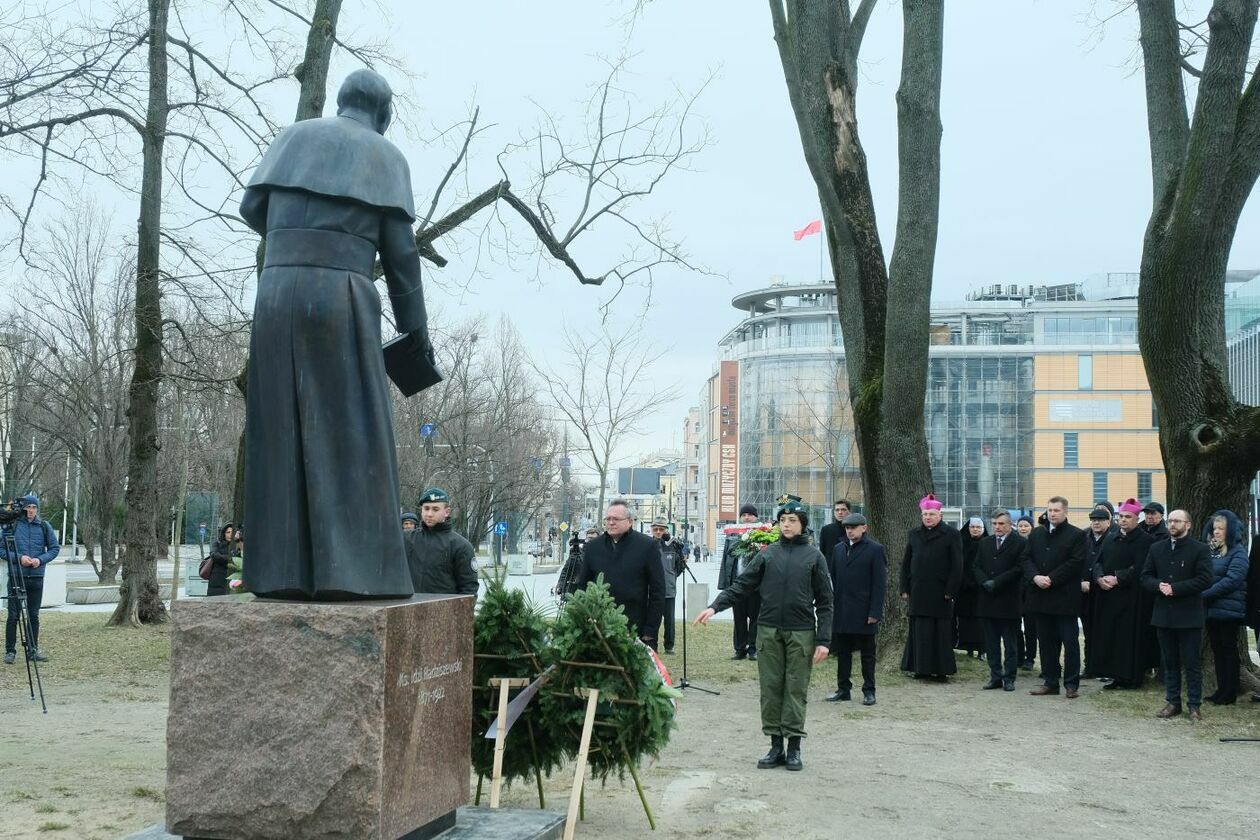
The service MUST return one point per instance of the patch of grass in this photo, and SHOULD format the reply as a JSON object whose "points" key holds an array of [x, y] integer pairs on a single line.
{"points": [[1236, 721], [53, 826], [45, 809], [143, 792], [82, 648], [22, 796]]}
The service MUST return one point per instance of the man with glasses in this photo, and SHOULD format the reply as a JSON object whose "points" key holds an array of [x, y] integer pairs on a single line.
{"points": [[999, 570], [630, 563], [1177, 570]]}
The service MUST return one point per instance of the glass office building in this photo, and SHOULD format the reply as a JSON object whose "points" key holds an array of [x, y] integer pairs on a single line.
{"points": [[1031, 392]]}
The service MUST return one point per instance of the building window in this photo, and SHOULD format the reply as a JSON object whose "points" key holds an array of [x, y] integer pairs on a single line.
{"points": [[1100, 486], [1154, 416], [1144, 486], [1070, 458], [1084, 371]]}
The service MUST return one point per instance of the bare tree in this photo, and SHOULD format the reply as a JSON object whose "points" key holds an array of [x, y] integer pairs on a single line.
{"points": [[1204, 169], [819, 421], [82, 324], [883, 304], [82, 94], [604, 390]]}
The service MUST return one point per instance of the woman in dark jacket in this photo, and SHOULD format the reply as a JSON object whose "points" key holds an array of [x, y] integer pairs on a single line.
{"points": [[220, 555], [1226, 601], [968, 631]]}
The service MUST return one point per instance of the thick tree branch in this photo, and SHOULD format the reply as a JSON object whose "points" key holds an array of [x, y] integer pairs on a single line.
{"points": [[1167, 119]]}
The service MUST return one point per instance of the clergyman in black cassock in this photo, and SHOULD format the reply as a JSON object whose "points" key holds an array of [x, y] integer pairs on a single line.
{"points": [[931, 573], [1123, 646]]}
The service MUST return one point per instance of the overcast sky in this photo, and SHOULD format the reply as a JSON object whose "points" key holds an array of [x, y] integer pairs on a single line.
{"points": [[1046, 175]]}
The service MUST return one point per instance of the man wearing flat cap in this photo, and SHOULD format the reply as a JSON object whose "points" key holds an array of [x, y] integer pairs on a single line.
{"points": [[744, 611], [859, 575], [673, 563], [1153, 514], [441, 561]]}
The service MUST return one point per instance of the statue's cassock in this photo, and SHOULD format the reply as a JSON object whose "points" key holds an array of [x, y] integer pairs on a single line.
{"points": [[321, 473]]}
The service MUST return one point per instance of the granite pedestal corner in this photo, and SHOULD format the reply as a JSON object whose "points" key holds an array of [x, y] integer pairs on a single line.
{"points": [[318, 720]]}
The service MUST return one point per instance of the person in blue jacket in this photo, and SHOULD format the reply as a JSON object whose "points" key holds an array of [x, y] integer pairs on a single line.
{"points": [[37, 546], [1226, 601]]}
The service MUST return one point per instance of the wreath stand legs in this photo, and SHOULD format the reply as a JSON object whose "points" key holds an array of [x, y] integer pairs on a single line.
{"points": [[575, 798], [500, 736]]}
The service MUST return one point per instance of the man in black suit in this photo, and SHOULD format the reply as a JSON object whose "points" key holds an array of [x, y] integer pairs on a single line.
{"points": [[999, 572], [630, 563], [832, 534], [1177, 570], [859, 575], [1054, 565]]}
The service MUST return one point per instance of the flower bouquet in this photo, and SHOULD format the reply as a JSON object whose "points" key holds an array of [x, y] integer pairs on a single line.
{"points": [[235, 581], [754, 540]]}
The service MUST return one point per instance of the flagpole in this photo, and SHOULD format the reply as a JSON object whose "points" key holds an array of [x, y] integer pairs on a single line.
{"points": [[822, 236]]}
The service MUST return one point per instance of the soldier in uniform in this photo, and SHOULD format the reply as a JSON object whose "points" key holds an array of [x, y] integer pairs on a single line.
{"points": [[793, 632], [441, 561]]}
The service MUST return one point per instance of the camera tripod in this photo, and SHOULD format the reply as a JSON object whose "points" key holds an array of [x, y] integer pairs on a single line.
{"points": [[684, 682], [16, 600]]}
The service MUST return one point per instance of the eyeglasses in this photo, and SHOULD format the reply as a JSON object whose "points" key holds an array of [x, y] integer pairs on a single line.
{"points": [[615, 518], [1178, 521]]}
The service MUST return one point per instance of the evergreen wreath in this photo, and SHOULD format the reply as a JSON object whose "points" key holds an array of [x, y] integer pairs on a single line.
{"points": [[592, 646], [509, 638]]}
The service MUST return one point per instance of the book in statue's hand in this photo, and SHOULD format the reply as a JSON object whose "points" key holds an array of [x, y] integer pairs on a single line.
{"points": [[410, 363]]}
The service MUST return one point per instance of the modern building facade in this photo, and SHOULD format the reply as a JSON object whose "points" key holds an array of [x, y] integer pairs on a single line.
{"points": [[1032, 392]]}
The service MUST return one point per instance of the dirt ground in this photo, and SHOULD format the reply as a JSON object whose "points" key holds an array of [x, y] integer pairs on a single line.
{"points": [[930, 761]]}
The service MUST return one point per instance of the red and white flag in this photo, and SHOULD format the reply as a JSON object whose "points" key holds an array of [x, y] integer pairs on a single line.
{"points": [[809, 230]]}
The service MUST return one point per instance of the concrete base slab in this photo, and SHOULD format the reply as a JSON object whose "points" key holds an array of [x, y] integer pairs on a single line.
{"points": [[470, 824]]}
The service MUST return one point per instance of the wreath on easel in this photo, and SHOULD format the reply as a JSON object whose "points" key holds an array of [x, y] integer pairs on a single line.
{"points": [[592, 646], [509, 639]]}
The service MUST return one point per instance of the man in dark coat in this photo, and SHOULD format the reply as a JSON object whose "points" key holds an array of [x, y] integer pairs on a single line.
{"points": [[832, 534], [795, 629], [1101, 531], [859, 575], [1177, 571], [329, 195], [1124, 648], [1154, 524], [673, 564], [630, 563], [999, 572], [1054, 565], [441, 561], [931, 574], [745, 609]]}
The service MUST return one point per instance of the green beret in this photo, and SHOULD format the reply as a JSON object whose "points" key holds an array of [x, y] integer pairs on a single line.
{"points": [[434, 494]]}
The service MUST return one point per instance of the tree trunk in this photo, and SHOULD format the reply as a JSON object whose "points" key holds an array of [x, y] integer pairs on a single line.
{"points": [[1203, 171], [139, 600], [883, 306]]}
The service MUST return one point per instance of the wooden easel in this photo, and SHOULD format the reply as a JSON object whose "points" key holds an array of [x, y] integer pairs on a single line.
{"points": [[500, 736], [584, 746]]}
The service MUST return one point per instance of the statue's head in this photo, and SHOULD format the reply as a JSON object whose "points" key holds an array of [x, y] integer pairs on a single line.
{"points": [[367, 92]]}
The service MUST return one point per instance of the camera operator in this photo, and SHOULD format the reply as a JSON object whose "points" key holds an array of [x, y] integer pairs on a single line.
{"points": [[37, 546]]}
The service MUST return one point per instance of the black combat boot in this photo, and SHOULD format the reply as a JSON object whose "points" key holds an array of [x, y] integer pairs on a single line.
{"points": [[794, 753], [774, 758]]}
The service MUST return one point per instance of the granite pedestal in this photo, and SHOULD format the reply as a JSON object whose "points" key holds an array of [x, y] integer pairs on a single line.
{"points": [[318, 720]]}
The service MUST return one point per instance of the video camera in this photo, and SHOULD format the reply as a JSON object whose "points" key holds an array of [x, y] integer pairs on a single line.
{"points": [[11, 511]]}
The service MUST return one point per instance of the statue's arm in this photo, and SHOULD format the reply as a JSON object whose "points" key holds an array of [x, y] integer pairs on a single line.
{"points": [[254, 209], [401, 262]]}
